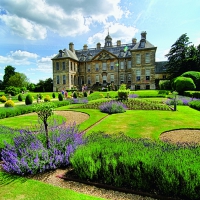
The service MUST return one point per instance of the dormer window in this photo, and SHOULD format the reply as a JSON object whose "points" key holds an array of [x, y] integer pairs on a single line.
{"points": [[142, 44]]}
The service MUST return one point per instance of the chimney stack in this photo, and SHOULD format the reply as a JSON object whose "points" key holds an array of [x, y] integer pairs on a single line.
{"points": [[143, 35], [71, 46], [118, 42], [98, 45], [134, 40], [85, 47]]}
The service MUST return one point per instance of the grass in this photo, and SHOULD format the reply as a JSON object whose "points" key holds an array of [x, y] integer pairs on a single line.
{"points": [[27, 121], [18, 188], [148, 124]]}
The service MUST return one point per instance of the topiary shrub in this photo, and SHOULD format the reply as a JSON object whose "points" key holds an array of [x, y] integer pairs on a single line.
{"points": [[165, 85], [47, 98], [85, 94], [3, 99], [60, 97], [40, 96], [182, 84], [54, 95], [29, 99], [9, 103], [75, 95], [123, 94], [20, 97], [113, 107], [195, 76]]}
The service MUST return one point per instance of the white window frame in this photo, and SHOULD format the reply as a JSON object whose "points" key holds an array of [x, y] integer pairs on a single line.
{"points": [[138, 74], [147, 58], [97, 78], [148, 74], [138, 59], [88, 68], [104, 66], [97, 67], [57, 66], [122, 65], [112, 78], [64, 79], [129, 64], [57, 79]]}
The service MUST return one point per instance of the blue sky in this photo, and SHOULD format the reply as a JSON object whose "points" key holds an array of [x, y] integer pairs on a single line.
{"points": [[32, 32]]}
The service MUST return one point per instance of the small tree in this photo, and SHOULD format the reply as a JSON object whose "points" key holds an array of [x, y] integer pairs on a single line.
{"points": [[44, 111]]}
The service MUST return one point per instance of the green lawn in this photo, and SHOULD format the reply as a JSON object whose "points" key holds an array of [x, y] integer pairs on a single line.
{"points": [[149, 124], [18, 188], [27, 121]]}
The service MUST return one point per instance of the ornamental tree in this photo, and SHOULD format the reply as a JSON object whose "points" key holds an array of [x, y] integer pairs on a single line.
{"points": [[44, 111]]}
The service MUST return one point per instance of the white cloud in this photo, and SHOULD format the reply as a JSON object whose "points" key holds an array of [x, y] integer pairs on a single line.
{"points": [[18, 57], [116, 31], [24, 28], [44, 65], [32, 19], [197, 42]]}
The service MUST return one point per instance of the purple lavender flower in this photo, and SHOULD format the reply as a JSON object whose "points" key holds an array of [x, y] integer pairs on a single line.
{"points": [[133, 96], [113, 107]]}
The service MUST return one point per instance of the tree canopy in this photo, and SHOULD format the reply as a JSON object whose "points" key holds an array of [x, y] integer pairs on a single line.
{"points": [[18, 80], [9, 71], [183, 57]]}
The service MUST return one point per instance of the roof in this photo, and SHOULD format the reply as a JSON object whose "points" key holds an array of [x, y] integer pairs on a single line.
{"points": [[65, 53], [143, 44], [89, 54], [161, 67]]}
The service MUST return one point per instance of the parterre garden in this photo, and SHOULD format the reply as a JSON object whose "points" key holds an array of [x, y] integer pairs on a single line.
{"points": [[122, 150]]}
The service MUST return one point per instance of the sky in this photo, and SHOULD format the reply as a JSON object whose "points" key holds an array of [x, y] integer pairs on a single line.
{"points": [[33, 31]]}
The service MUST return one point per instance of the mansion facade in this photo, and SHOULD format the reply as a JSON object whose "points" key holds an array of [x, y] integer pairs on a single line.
{"points": [[133, 64]]}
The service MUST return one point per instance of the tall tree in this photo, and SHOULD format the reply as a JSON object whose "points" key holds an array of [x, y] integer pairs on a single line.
{"points": [[9, 71], [18, 80], [48, 85], [177, 55]]}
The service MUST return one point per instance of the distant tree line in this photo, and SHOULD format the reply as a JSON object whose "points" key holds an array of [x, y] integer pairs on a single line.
{"points": [[18, 82]]}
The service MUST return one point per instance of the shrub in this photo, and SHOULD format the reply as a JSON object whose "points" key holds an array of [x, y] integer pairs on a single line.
{"points": [[3, 99], [95, 95], [23, 89], [54, 95], [165, 85], [12, 90], [113, 107], [182, 84], [85, 94], [194, 94], [28, 154], [9, 103], [122, 86], [139, 164], [29, 99], [40, 96], [60, 97], [195, 76], [123, 94], [20, 97], [75, 95], [47, 98], [195, 104]]}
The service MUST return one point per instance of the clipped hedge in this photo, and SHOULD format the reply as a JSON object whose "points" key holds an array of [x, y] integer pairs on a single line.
{"points": [[24, 109], [195, 76], [181, 84], [195, 104], [194, 94]]}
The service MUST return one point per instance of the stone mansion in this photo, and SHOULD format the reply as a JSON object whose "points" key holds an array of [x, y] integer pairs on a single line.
{"points": [[133, 64]]}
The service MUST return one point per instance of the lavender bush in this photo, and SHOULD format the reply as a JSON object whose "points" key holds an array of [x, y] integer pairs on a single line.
{"points": [[29, 155], [180, 100], [132, 96], [79, 100], [113, 107]]}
